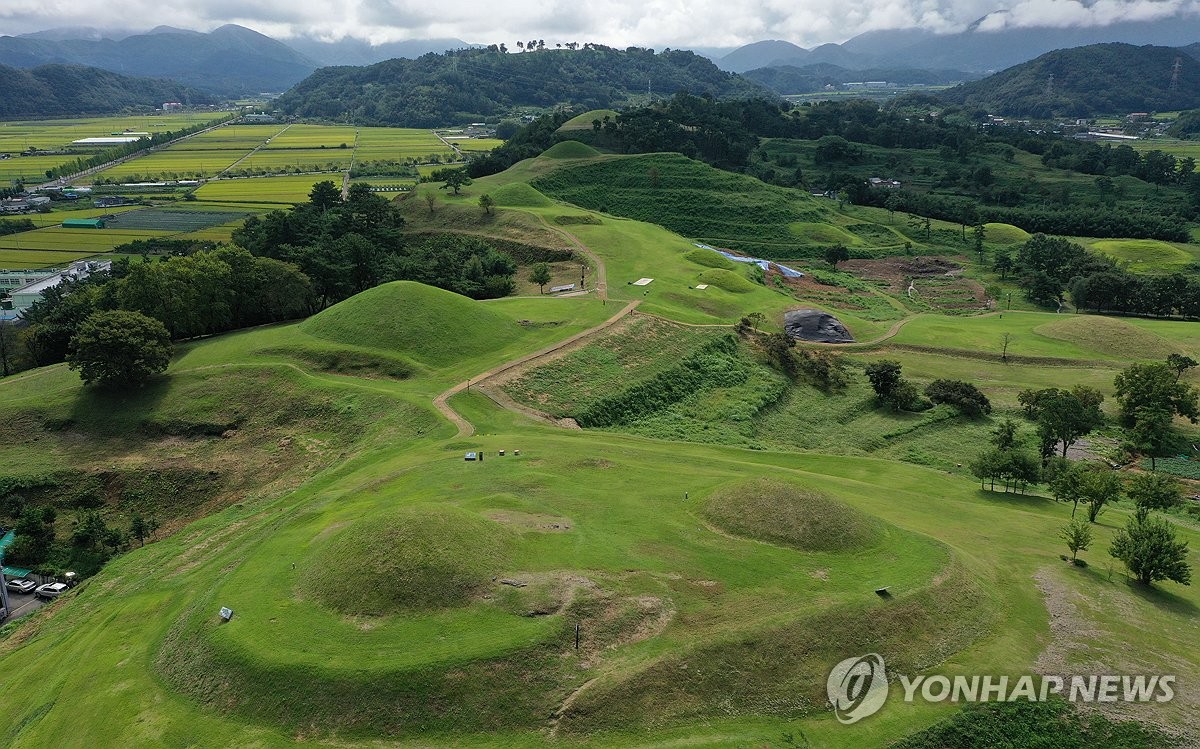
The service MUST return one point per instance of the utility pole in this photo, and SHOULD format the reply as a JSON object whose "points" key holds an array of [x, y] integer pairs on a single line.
{"points": [[3, 587]]}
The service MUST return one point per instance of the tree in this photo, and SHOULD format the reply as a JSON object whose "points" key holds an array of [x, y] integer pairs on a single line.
{"points": [[34, 533], [893, 203], [139, 528], [118, 347], [979, 233], [1066, 481], [1151, 433], [1004, 436], [836, 254], [885, 377], [1099, 487], [1078, 536], [1150, 551], [1156, 386], [455, 179], [324, 195], [8, 349], [540, 275], [1004, 346], [1003, 264], [962, 395], [430, 201], [1063, 416], [1180, 363], [1154, 491], [486, 202]]}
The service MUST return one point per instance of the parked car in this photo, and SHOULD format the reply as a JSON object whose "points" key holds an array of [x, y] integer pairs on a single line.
{"points": [[20, 585], [51, 590]]}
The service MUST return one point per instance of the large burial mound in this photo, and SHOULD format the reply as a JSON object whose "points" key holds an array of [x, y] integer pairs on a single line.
{"points": [[816, 326], [785, 514], [417, 558], [433, 326]]}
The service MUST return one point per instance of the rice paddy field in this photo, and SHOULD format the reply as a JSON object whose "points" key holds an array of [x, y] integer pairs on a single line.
{"points": [[272, 190], [308, 159], [314, 136], [83, 241], [172, 163], [32, 259], [398, 144], [1174, 146], [478, 144], [19, 136], [241, 138]]}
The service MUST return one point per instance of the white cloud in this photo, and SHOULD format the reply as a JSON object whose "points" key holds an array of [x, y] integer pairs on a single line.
{"points": [[656, 23]]}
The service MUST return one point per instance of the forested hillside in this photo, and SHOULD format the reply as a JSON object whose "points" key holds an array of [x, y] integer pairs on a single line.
{"points": [[1085, 81], [436, 89], [58, 90], [793, 79]]}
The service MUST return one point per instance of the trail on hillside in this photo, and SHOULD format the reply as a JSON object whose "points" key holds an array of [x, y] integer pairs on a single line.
{"points": [[466, 428], [601, 268]]}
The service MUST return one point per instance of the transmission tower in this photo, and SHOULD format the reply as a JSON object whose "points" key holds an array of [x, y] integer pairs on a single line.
{"points": [[1050, 85], [1175, 75]]}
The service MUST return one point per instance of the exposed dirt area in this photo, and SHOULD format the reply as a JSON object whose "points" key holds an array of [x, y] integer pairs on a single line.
{"points": [[938, 281], [530, 521]]}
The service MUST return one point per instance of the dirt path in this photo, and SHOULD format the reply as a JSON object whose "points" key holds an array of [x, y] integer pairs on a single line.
{"points": [[601, 268], [465, 428]]}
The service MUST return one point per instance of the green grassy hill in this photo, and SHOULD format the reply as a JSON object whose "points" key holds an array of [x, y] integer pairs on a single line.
{"points": [[584, 121], [429, 325]]}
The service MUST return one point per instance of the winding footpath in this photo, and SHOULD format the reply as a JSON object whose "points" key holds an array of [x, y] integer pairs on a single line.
{"points": [[465, 428]]}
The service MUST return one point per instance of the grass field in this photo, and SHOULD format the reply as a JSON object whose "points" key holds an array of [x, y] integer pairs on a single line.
{"points": [[479, 144], [1148, 255], [714, 539]]}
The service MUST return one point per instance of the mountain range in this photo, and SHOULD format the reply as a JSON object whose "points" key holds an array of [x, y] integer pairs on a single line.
{"points": [[69, 90], [987, 45]]}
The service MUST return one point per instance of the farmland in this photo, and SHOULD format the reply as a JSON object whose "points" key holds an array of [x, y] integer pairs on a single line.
{"points": [[16, 137], [282, 190]]}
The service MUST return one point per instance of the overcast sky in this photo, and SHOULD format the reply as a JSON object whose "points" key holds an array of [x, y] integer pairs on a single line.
{"points": [[654, 23]]}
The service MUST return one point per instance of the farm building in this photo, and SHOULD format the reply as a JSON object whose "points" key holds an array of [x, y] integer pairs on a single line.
{"points": [[111, 201], [21, 299], [112, 140], [83, 223]]}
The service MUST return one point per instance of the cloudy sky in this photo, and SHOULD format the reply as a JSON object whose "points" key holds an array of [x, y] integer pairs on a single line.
{"points": [[655, 23]]}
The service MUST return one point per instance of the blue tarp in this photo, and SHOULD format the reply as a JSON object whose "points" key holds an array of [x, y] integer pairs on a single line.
{"points": [[764, 264], [5, 542]]}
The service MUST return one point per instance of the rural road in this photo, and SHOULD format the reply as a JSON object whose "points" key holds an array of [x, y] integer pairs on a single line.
{"points": [[465, 428]]}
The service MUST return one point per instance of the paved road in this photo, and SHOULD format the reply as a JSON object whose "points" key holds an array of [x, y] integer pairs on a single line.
{"points": [[22, 604]]}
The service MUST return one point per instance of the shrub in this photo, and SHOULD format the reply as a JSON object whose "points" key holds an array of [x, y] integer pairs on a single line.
{"points": [[962, 395]]}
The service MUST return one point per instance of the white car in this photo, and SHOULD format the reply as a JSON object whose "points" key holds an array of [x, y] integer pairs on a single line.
{"points": [[51, 590], [20, 585]]}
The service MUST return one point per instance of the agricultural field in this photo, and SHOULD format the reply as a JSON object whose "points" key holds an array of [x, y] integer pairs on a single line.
{"points": [[310, 159], [677, 544], [478, 144], [172, 163], [399, 144], [1181, 149], [313, 136], [84, 241], [231, 138], [263, 190], [16, 137], [22, 259]]}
